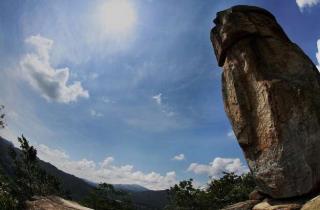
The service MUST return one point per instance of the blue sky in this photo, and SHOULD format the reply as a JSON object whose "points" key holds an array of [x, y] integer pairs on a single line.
{"points": [[134, 102]]}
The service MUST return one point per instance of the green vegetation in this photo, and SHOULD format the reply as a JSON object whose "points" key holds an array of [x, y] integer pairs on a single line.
{"points": [[29, 178], [105, 197], [219, 193], [9, 196], [29, 175]]}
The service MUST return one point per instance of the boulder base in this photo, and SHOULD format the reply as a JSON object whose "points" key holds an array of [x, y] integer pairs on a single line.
{"points": [[245, 205]]}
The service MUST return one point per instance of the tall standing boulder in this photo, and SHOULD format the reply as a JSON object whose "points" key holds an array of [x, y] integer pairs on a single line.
{"points": [[271, 93]]}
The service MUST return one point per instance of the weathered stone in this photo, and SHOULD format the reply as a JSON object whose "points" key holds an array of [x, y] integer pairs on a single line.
{"points": [[313, 204], [277, 205], [271, 93], [53, 203], [245, 205], [256, 195]]}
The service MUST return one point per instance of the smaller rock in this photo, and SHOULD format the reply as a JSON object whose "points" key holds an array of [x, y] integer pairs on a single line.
{"points": [[256, 195], [245, 205], [313, 204], [269, 204]]}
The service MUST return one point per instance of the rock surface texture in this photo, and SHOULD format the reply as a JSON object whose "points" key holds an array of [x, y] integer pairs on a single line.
{"points": [[313, 204], [53, 203], [271, 93], [245, 205], [277, 205]]}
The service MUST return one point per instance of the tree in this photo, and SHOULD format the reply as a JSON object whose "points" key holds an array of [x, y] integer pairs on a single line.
{"points": [[185, 196], [10, 198], [29, 179], [29, 175], [230, 189], [219, 193], [105, 197]]}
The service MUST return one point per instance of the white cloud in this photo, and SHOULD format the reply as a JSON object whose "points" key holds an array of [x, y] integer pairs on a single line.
{"points": [[94, 113], [307, 3], [218, 166], [107, 100], [318, 54], [231, 134], [51, 83], [158, 98], [163, 107], [106, 170], [179, 157]]}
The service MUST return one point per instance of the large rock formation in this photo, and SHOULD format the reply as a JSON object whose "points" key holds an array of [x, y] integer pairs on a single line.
{"points": [[271, 92]]}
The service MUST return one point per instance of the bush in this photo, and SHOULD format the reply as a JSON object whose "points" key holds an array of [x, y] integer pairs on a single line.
{"points": [[105, 197], [29, 175], [10, 198], [227, 190]]}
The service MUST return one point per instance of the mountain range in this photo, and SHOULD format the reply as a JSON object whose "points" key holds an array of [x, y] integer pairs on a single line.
{"points": [[78, 188]]}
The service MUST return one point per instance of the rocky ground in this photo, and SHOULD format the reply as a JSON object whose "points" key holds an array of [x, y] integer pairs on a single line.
{"points": [[259, 202], [53, 203]]}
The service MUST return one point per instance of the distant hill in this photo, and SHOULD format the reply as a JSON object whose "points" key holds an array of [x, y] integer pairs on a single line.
{"points": [[130, 187], [152, 199], [77, 187], [142, 197]]}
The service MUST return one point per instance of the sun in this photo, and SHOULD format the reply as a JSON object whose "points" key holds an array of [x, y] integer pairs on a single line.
{"points": [[117, 16]]}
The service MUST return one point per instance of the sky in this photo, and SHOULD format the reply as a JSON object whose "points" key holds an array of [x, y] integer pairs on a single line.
{"points": [[127, 91]]}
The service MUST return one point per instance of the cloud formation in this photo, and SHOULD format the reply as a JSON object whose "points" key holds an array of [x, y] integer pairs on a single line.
{"points": [[106, 170], [219, 165], [94, 113], [179, 157], [51, 83], [307, 3], [158, 98]]}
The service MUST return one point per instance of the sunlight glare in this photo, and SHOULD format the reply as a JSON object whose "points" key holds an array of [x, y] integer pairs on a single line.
{"points": [[117, 16]]}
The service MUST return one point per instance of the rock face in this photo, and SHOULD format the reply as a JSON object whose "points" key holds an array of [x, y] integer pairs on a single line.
{"points": [[245, 205], [277, 205], [313, 204], [53, 203], [271, 93]]}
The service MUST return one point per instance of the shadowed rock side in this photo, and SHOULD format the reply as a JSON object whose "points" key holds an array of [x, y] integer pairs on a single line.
{"points": [[271, 93]]}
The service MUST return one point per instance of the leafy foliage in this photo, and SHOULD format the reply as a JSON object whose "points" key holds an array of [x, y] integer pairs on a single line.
{"points": [[10, 198], [227, 190], [29, 178], [105, 197], [230, 189], [185, 196], [29, 175]]}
